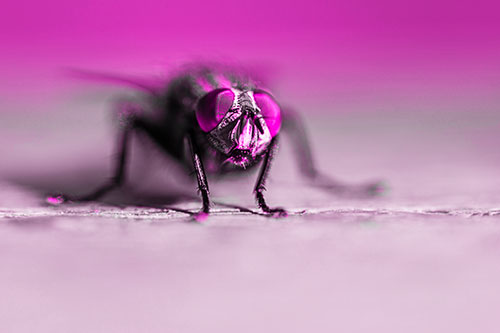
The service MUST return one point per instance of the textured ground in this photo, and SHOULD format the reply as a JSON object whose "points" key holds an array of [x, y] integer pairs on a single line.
{"points": [[421, 258]]}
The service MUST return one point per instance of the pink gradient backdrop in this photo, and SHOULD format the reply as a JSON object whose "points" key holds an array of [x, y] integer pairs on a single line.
{"points": [[356, 55], [410, 77]]}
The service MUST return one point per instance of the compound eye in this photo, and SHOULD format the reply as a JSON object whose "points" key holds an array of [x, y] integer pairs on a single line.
{"points": [[212, 108], [270, 111]]}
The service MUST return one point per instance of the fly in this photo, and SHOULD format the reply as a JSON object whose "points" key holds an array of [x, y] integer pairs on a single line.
{"points": [[226, 120]]}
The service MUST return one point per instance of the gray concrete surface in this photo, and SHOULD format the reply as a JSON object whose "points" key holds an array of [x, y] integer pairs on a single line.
{"points": [[421, 258]]}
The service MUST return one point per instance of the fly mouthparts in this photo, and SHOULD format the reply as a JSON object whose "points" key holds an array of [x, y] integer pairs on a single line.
{"points": [[240, 153]]}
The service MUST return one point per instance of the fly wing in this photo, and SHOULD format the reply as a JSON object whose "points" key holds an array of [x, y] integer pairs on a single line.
{"points": [[152, 86]]}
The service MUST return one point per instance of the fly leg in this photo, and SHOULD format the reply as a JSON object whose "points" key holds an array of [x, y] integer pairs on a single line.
{"points": [[294, 127], [260, 186], [115, 181], [201, 178], [127, 121], [119, 174]]}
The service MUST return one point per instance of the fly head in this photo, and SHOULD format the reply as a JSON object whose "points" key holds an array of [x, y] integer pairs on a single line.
{"points": [[239, 124]]}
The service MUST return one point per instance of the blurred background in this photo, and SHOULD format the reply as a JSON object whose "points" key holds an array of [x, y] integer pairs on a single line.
{"points": [[400, 86], [357, 56], [407, 92]]}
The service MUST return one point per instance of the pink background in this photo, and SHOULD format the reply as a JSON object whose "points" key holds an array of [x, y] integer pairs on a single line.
{"points": [[402, 91], [340, 56]]}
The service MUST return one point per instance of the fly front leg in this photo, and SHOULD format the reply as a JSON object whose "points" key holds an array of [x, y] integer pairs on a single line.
{"points": [[201, 178], [260, 186], [294, 127]]}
